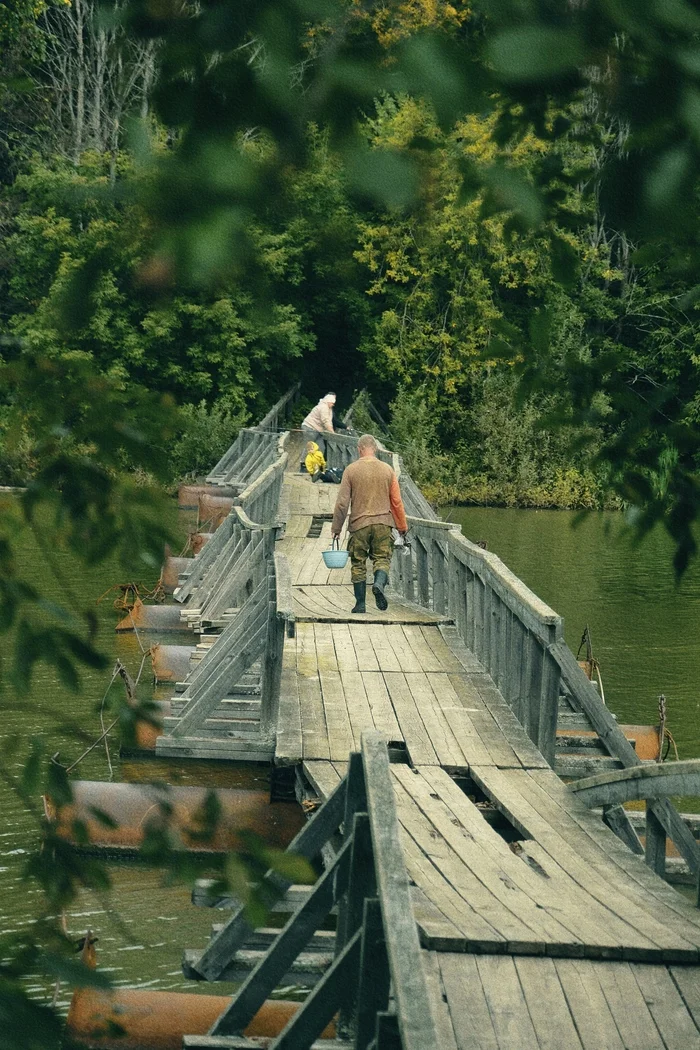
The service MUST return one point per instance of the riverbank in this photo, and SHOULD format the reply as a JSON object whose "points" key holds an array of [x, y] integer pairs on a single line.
{"points": [[566, 489]]}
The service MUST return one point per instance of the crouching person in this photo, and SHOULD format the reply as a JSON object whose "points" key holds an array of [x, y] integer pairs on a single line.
{"points": [[370, 491]]}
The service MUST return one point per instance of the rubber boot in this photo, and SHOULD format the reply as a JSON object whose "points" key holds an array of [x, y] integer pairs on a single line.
{"points": [[360, 590], [380, 581]]}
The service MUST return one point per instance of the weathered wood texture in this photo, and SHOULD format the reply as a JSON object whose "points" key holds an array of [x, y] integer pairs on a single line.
{"points": [[250, 453], [585, 696], [535, 926], [506, 627], [648, 782], [376, 942], [278, 416], [498, 1003]]}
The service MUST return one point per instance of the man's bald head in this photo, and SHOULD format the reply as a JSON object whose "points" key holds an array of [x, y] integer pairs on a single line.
{"points": [[367, 445]]}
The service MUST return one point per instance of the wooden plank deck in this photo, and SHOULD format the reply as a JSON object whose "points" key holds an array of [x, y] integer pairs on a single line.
{"points": [[539, 929], [504, 1002]]}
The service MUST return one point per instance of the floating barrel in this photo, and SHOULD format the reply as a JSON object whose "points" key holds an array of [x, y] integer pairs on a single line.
{"points": [[198, 539], [147, 733], [140, 1019], [135, 807], [171, 663], [188, 495], [172, 567], [211, 510], [151, 618], [159, 1020]]}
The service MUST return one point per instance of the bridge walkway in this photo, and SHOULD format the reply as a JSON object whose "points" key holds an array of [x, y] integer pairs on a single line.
{"points": [[538, 927], [535, 927]]}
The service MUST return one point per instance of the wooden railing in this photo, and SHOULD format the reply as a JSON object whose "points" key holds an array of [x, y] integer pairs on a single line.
{"points": [[652, 783], [251, 453], [414, 501], [584, 697], [238, 594], [507, 627], [278, 416], [341, 449], [260, 500], [375, 988]]}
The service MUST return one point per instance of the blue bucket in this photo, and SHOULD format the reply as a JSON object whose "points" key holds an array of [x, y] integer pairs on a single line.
{"points": [[335, 558]]}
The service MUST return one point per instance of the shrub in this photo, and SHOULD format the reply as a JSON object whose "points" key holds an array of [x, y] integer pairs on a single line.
{"points": [[206, 434]]}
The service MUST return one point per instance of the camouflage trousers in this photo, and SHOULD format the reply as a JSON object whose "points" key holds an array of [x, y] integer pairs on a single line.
{"points": [[374, 542]]}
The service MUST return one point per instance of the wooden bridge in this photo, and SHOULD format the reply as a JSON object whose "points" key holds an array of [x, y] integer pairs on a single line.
{"points": [[479, 902]]}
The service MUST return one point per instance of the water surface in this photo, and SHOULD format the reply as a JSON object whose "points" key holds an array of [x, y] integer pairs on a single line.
{"points": [[143, 925]]}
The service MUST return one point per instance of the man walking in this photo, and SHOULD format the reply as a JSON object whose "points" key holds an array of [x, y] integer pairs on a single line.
{"points": [[370, 490]]}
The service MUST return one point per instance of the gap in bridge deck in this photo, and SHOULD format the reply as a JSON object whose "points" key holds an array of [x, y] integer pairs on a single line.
{"points": [[494, 817]]}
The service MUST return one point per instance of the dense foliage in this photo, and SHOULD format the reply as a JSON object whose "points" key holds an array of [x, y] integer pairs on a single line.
{"points": [[458, 260], [486, 214]]}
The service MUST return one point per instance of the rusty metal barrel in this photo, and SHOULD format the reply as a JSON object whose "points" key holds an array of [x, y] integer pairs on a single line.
{"points": [[172, 567], [171, 663], [188, 495], [134, 808], [212, 510], [198, 539], [151, 618], [135, 1019]]}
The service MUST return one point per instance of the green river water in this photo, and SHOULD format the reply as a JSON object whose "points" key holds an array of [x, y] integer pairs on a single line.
{"points": [[644, 631], [143, 926]]}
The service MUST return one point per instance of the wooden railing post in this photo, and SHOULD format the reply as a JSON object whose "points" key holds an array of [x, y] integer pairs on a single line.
{"points": [[438, 570], [272, 659], [422, 574], [375, 976], [403, 947]]}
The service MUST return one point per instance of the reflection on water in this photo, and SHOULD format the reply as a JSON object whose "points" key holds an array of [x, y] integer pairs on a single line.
{"points": [[645, 628], [143, 925]]}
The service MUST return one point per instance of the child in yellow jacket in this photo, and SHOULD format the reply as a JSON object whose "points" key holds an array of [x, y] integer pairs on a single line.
{"points": [[315, 462]]}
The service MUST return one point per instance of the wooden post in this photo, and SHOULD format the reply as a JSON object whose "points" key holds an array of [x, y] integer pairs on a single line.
{"points": [[439, 573], [534, 687], [548, 707], [403, 947], [469, 587], [422, 576], [479, 614], [618, 821], [655, 843], [355, 802], [272, 663], [361, 885], [375, 977], [388, 1036], [495, 651]]}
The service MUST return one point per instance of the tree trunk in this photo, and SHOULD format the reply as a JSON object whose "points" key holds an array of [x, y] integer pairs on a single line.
{"points": [[79, 15]]}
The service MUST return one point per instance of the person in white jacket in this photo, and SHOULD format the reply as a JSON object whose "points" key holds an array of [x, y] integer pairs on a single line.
{"points": [[320, 421]]}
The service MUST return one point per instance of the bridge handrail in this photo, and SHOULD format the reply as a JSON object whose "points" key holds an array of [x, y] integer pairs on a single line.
{"points": [[504, 624], [243, 459], [655, 783], [280, 410], [584, 697], [376, 980], [649, 782], [260, 498], [284, 599], [399, 927]]}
